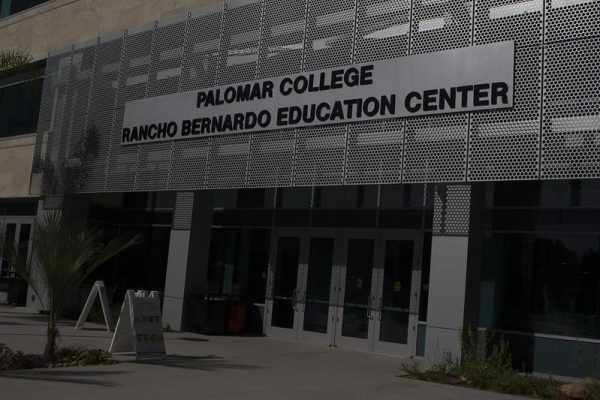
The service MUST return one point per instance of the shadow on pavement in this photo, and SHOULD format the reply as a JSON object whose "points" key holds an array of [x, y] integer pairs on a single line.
{"points": [[200, 363], [193, 339], [62, 335], [63, 375], [31, 317]]}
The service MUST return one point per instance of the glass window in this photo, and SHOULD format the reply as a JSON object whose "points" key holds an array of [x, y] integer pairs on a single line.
{"points": [[9, 238], [19, 107], [143, 266], [401, 196], [250, 198], [238, 262], [164, 200], [516, 194], [298, 197], [424, 297], [21, 5], [345, 197], [4, 8], [225, 198], [544, 283], [136, 200], [18, 208]]}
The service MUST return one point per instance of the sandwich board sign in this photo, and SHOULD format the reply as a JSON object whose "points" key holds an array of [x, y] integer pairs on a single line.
{"points": [[97, 290], [139, 328]]}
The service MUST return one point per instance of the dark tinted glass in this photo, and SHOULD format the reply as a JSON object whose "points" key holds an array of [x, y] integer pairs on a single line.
{"points": [[546, 283], [250, 198], [424, 297], [21, 5], [355, 321], [293, 197], [238, 262], [284, 287], [9, 239], [395, 301], [19, 107], [316, 308], [516, 194], [404, 219]]}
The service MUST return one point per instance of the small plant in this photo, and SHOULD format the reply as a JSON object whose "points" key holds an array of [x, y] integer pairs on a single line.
{"points": [[81, 355], [482, 368], [592, 389], [64, 357], [14, 62], [11, 360], [444, 371], [486, 364]]}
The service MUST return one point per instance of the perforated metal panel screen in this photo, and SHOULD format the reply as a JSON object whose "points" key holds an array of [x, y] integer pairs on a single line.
{"points": [[553, 131]]}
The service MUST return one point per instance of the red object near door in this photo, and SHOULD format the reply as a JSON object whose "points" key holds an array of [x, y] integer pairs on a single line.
{"points": [[237, 318]]}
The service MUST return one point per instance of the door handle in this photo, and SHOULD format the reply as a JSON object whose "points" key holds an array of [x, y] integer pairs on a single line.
{"points": [[379, 306], [301, 304], [294, 299]]}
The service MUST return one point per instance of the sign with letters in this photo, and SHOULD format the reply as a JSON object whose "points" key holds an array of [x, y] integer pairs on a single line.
{"points": [[139, 328], [460, 80]]}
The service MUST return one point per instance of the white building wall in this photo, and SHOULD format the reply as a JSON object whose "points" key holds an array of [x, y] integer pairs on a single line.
{"points": [[448, 271], [60, 23]]}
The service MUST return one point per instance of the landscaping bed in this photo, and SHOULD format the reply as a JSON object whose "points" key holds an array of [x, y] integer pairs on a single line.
{"points": [[65, 357], [488, 366]]}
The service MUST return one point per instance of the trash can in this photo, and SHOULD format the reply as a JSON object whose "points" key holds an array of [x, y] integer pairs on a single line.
{"points": [[236, 321], [208, 315]]}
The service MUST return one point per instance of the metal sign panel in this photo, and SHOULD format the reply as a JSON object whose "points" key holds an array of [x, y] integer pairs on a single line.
{"points": [[459, 80], [139, 328]]}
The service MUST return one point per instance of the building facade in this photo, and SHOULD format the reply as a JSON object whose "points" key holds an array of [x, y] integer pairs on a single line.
{"points": [[390, 235]]}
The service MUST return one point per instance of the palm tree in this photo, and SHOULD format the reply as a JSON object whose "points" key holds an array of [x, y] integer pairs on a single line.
{"points": [[64, 255]]}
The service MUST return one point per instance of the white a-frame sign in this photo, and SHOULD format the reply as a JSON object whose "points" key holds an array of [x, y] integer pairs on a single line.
{"points": [[97, 289], [139, 328]]}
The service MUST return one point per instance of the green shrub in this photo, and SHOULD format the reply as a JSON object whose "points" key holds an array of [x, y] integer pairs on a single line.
{"points": [[65, 356], [82, 355], [486, 364], [592, 389], [444, 371], [483, 364], [10, 359]]}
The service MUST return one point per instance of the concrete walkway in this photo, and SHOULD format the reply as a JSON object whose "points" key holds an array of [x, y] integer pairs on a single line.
{"points": [[213, 367]]}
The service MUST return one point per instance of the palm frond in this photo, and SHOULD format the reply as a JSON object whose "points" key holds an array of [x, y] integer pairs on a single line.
{"points": [[14, 62], [64, 255]]}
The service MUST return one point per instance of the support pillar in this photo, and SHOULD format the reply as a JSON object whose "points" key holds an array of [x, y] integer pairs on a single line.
{"points": [[188, 253], [448, 276]]}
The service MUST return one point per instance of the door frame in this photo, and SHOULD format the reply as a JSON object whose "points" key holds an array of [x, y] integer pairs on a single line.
{"points": [[270, 330], [315, 337], [333, 336], [297, 333], [19, 221], [409, 348], [346, 341]]}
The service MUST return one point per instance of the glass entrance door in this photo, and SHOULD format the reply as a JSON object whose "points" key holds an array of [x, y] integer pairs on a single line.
{"points": [[316, 310], [395, 325], [283, 280], [354, 312], [355, 290], [300, 284], [379, 282]]}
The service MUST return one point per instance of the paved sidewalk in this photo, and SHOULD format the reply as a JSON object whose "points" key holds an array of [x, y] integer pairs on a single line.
{"points": [[213, 367]]}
